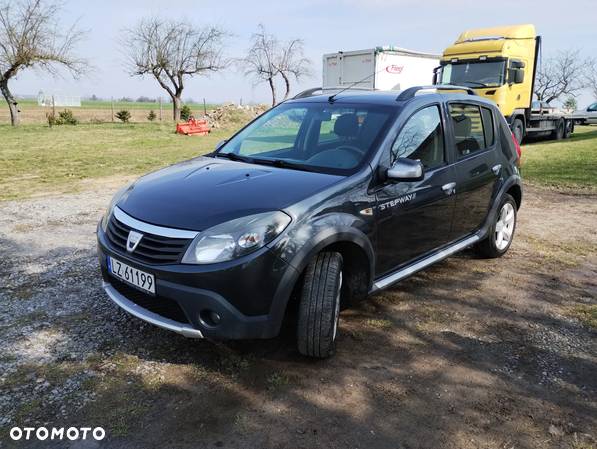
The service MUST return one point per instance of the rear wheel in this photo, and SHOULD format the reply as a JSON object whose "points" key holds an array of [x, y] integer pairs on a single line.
{"points": [[319, 307], [518, 130], [569, 128], [558, 133], [501, 233]]}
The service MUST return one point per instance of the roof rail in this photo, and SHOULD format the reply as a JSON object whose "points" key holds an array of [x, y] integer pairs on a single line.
{"points": [[313, 91], [412, 91]]}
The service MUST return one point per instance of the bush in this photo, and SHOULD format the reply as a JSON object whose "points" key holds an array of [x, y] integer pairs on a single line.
{"points": [[65, 117], [151, 116], [185, 113], [123, 115]]}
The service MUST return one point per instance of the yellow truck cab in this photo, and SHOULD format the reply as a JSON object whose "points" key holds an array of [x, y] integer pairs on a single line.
{"points": [[499, 64]]}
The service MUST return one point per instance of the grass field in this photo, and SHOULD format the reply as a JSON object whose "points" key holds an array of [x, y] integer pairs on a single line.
{"points": [[569, 164], [35, 159]]}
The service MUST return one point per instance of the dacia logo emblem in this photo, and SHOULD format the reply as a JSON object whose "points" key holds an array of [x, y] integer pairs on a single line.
{"points": [[133, 241]]}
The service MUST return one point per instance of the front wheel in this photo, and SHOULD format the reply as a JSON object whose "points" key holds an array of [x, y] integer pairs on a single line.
{"points": [[518, 130], [501, 233], [319, 308]]}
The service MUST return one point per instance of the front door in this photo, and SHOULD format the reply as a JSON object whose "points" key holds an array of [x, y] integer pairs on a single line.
{"points": [[415, 217]]}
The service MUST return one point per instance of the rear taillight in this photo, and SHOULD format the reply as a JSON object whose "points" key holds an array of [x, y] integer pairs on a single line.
{"points": [[517, 146]]}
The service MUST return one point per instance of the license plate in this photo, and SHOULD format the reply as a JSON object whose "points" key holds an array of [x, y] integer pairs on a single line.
{"points": [[138, 278]]}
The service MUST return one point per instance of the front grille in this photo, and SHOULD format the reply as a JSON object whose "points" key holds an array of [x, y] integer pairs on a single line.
{"points": [[153, 249], [166, 307]]}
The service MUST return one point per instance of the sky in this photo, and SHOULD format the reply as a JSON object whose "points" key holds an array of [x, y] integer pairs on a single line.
{"points": [[324, 26]]}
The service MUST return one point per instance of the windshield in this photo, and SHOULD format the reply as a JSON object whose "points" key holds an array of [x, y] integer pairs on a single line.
{"points": [[475, 74], [320, 137]]}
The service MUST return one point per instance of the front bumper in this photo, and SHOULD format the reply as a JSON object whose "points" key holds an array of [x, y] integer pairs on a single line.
{"points": [[249, 294]]}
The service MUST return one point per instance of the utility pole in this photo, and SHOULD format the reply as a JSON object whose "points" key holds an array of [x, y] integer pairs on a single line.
{"points": [[204, 107], [160, 109], [112, 106]]}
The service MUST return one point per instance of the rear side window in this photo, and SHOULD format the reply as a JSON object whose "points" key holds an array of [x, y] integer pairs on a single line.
{"points": [[472, 132], [487, 117]]}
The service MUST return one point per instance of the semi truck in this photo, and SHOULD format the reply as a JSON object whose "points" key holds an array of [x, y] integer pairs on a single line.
{"points": [[500, 64], [380, 68]]}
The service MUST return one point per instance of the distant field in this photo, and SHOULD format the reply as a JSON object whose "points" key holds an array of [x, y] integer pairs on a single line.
{"points": [[564, 164], [94, 111], [35, 159]]}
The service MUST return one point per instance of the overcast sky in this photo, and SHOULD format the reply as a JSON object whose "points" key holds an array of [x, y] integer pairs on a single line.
{"points": [[424, 25]]}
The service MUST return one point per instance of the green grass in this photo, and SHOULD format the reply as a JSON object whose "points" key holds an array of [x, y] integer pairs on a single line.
{"points": [[35, 159], [569, 164]]}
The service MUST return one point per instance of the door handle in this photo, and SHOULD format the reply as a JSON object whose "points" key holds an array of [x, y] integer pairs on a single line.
{"points": [[496, 169], [449, 188]]}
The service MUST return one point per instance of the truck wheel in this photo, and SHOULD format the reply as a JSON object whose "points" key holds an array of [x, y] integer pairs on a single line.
{"points": [[569, 128], [501, 232], [518, 130], [558, 133], [319, 307]]}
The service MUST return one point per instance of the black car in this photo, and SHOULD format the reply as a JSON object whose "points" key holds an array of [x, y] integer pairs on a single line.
{"points": [[315, 204]]}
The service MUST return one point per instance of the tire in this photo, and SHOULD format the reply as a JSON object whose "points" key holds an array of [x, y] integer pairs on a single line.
{"points": [[558, 133], [518, 130], [569, 128], [496, 245], [319, 307]]}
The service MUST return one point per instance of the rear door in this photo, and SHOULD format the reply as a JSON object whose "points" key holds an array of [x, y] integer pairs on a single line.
{"points": [[415, 217], [473, 142]]}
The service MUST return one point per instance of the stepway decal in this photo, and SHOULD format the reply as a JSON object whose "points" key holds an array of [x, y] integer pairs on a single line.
{"points": [[397, 201]]}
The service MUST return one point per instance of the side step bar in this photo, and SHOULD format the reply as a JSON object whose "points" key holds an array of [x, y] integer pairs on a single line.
{"points": [[402, 273]]}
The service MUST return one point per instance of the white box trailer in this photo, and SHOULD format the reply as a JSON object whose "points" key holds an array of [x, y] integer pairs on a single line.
{"points": [[380, 68]]}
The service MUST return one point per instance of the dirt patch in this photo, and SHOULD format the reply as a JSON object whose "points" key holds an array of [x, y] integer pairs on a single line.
{"points": [[470, 353]]}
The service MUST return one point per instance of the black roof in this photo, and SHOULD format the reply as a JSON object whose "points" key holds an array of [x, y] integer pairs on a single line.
{"points": [[389, 98]]}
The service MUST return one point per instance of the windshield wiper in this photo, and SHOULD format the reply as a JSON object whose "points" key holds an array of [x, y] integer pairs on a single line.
{"points": [[234, 157], [477, 83], [282, 163]]}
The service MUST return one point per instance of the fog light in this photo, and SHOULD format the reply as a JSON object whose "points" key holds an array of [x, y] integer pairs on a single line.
{"points": [[210, 318], [215, 318]]}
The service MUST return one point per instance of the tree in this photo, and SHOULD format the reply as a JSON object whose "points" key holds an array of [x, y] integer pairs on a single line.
{"points": [[293, 63], [172, 51], [267, 58], [262, 59], [31, 37], [560, 75], [570, 103], [591, 78]]}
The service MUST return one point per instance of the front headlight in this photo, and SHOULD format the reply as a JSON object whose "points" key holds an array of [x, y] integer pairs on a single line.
{"points": [[115, 199], [235, 238]]}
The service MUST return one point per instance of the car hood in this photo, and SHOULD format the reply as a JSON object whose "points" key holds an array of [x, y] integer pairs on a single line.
{"points": [[203, 192]]}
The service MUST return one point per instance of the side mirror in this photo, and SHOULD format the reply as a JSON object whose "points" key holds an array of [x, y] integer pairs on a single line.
{"points": [[405, 170], [436, 75], [515, 76], [220, 144]]}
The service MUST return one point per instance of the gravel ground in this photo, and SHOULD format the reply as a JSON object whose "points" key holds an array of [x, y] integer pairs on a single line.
{"points": [[467, 354]]}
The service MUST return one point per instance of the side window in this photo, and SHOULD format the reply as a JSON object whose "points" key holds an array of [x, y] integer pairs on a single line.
{"points": [[468, 128], [487, 116], [421, 138]]}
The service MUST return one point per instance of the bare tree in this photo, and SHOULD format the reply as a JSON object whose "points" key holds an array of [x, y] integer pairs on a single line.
{"points": [[560, 75], [292, 62], [267, 58], [591, 78], [172, 51], [31, 37], [262, 59]]}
